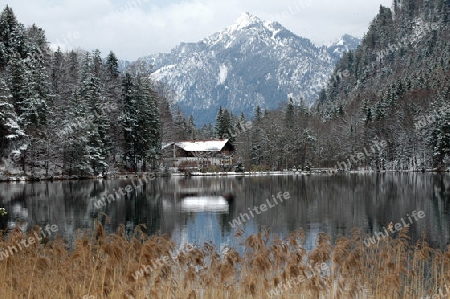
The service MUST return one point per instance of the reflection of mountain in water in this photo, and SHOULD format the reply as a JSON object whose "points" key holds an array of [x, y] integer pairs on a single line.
{"points": [[332, 204]]}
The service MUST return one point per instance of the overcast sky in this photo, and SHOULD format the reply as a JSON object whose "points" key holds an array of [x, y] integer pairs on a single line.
{"points": [[134, 28]]}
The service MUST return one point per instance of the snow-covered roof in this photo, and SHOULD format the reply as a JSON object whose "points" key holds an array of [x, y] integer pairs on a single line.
{"points": [[200, 146], [165, 145], [203, 146]]}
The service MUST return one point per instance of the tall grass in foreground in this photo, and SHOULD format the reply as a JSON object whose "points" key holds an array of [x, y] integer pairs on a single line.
{"points": [[104, 266]]}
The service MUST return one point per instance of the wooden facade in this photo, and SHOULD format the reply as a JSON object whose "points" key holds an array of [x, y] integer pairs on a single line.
{"points": [[201, 154]]}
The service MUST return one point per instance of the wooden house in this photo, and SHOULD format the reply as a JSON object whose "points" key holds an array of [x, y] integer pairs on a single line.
{"points": [[199, 154]]}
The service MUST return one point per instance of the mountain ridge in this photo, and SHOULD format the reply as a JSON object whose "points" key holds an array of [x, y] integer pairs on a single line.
{"points": [[251, 62]]}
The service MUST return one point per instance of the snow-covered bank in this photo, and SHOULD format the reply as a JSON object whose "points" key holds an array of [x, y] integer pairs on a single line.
{"points": [[28, 178], [238, 173], [23, 178], [322, 171]]}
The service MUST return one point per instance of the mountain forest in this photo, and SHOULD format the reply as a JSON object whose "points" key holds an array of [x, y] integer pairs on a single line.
{"points": [[77, 113]]}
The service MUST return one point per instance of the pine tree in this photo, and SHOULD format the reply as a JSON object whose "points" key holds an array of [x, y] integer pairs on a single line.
{"points": [[91, 92], [12, 38], [241, 124], [258, 145], [38, 92], [10, 129], [57, 71], [76, 157], [16, 81], [112, 66], [227, 127], [224, 125], [289, 115], [97, 134], [130, 122], [112, 105], [29, 85], [191, 128], [439, 138], [220, 131], [258, 114], [180, 123], [367, 112], [73, 70], [97, 64], [148, 129], [322, 97]]}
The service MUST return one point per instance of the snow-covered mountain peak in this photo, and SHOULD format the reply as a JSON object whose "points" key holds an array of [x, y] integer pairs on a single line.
{"points": [[245, 20], [346, 40], [246, 28], [343, 44], [250, 63]]}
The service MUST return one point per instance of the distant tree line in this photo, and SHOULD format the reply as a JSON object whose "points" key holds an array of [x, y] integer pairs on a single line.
{"points": [[273, 139]]}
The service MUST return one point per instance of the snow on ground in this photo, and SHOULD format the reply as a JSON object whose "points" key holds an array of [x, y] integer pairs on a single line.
{"points": [[223, 74]]}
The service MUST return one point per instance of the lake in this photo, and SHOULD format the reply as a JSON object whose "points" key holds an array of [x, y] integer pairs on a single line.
{"points": [[193, 209]]}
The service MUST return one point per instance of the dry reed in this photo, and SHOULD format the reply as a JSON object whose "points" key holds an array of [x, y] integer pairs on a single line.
{"points": [[104, 266]]}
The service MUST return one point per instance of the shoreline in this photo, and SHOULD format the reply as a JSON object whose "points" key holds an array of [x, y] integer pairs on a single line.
{"points": [[123, 176], [112, 176]]}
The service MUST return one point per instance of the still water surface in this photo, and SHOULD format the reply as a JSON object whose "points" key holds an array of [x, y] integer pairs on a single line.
{"points": [[192, 209]]}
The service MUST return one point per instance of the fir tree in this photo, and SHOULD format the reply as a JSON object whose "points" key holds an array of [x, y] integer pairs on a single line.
{"points": [[220, 130], [148, 130], [258, 114], [12, 37], [289, 116], [112, 66], [130, 122], [10, 129]]}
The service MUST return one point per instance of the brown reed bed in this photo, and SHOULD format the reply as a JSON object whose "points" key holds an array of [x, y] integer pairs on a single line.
{"points": [[104, 266]]}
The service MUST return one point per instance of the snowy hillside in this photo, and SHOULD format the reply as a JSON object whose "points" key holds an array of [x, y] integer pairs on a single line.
{"points": [[250, 63]]}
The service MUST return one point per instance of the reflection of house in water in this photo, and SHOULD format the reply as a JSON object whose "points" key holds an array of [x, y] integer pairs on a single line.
{"points": [[198, 154], [194, 210], [179, 187]]}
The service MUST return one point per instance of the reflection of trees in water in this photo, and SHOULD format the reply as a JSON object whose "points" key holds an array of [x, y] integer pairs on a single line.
{"points": [[336, 204], [333, 204], [440, 203]]}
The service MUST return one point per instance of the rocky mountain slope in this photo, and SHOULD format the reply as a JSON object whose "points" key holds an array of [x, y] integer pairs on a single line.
{"points": [[250, 63]]}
